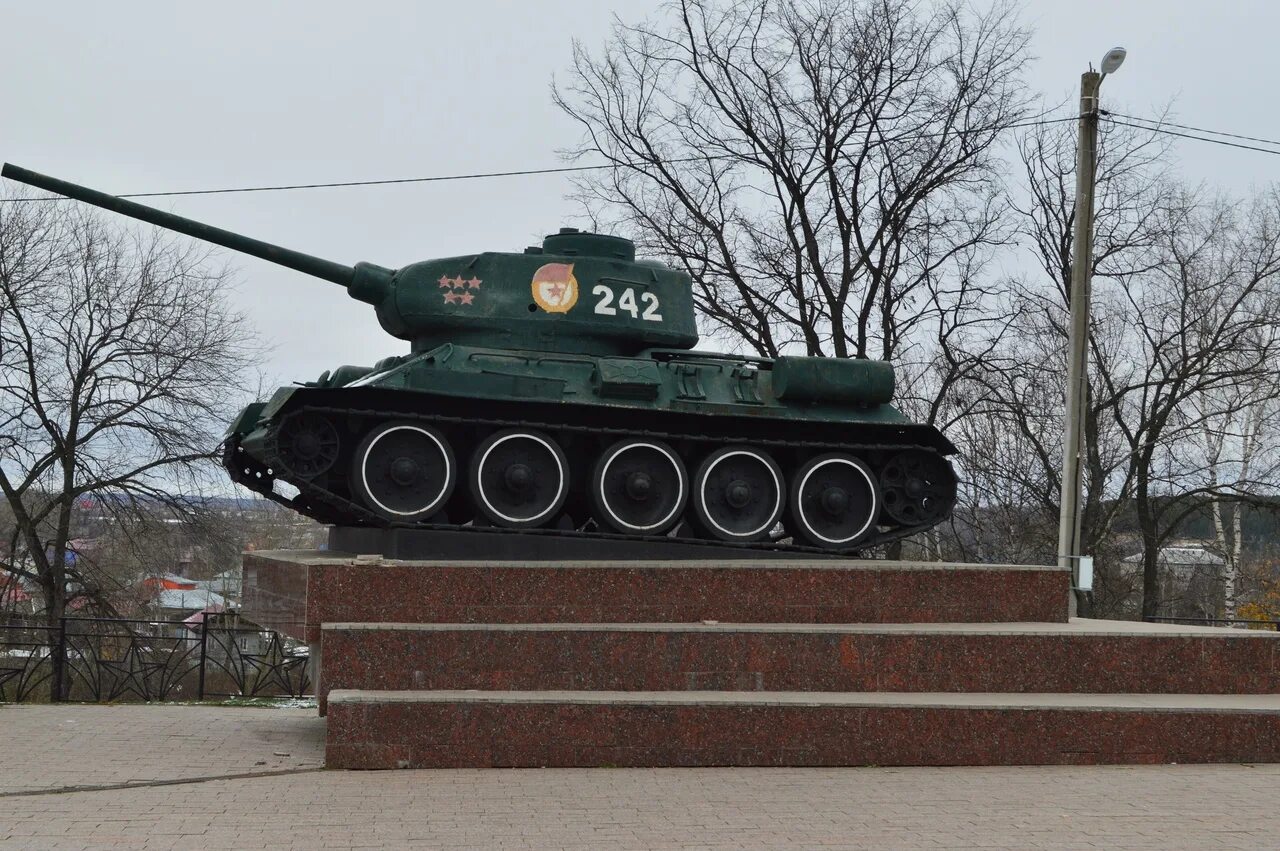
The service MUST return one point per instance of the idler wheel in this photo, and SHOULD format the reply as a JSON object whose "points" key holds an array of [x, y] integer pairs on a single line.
{"points": [[834, 501], [738, 494], [308, 445], [404, 471], [917, 487], [639, 487], [519, 478]]}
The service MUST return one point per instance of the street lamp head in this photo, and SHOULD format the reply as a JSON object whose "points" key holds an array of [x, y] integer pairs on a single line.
{"points": [[1113, 60]]}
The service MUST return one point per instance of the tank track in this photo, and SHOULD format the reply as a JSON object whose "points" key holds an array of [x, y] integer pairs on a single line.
{"points": [[326, 507]]}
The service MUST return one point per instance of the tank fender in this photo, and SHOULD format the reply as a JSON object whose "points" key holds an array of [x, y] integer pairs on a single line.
{"points": [[246, 420], [276, 403]]}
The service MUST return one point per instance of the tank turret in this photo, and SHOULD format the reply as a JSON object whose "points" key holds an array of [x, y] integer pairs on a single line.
{"points": [[518, 301], [557, 392]]}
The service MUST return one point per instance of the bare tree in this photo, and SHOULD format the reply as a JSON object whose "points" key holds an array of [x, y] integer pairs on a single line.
{"points": [[120, 360], [1204, 322], [1187, 292], [1011, 437], [1239, 437], [825, 171]]}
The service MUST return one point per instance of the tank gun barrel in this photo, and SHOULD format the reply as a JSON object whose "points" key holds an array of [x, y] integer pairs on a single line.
{"points": [[304, 263]]}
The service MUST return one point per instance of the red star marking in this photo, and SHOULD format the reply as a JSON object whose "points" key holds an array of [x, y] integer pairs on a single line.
{"points": [[451, 297], [556, 291], [445, 281], [466, 298], [474, 283], [459, 282]]}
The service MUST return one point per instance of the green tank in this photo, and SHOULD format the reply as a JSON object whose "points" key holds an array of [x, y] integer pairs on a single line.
{"points": [[558, 391]]}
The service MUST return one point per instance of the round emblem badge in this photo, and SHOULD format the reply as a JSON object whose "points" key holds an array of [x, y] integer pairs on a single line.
{"points": [[555, 289]]}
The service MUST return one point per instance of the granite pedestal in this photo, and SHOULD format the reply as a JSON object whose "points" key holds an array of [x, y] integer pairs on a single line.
{"points": [[296, 592], [779, 662]]}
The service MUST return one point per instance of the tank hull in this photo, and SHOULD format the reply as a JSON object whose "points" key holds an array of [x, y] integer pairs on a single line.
{"points": [[577, 404]]}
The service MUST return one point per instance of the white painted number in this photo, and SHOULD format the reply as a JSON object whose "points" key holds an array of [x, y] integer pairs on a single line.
{"points": [[650, 307], [627, 302], [606, 298]]}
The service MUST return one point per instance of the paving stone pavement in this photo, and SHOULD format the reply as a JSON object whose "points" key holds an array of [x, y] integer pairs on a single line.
{"points": [[297, 806], [51, 747]]}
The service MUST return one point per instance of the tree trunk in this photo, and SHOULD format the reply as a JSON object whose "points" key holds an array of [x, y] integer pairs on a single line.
{"points": [[1150, 578], [1230, 554], [55, 609], [1150, 550], [1231, 570]]}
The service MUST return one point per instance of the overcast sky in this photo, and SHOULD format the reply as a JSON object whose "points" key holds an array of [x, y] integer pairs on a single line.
{"points": [[151, 96]]}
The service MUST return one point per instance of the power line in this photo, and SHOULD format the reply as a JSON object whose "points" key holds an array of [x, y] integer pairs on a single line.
{"points": [[1149, 124], [1163, 123], [387, 182], [1196, 138], [491, 174]]}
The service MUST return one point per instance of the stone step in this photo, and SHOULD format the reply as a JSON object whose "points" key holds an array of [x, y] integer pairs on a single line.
{"points": [[475, 729], [296, 592], [1080, 656]]}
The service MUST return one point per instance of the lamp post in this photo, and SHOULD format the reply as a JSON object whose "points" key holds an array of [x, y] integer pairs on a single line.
{"points": [[1073, 440]]}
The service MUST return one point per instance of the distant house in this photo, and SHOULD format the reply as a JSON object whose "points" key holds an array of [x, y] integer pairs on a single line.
{"points": [[226, 583], [14, 598], [232, 634], [1190, 575], [11, 590], [168, 582], [171, 602], [175, 598]]}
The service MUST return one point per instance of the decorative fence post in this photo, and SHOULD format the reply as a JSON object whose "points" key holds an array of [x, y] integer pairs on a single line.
{"points": [[59, 662], [204, 647]]}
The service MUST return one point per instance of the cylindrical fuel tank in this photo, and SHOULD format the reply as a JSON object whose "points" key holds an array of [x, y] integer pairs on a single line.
{"points": [[856, 381]]}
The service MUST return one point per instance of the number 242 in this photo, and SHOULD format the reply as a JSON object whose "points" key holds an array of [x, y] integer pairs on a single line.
{"points": [[627, 302]]}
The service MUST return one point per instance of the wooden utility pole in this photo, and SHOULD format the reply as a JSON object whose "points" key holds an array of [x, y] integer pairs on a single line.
{"points": [[1073, 442]]}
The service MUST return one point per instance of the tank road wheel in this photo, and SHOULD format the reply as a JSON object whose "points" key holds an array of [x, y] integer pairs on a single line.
{"points": [[639, 487], [308, 445], [834, 501], [519, 478], [404, 471], [737, 494], [917, 487]]}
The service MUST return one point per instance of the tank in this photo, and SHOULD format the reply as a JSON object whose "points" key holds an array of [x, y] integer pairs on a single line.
{"points": [[559, 391]]}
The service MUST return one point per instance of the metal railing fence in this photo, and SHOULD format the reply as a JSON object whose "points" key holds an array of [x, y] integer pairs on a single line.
{"points": [[128, 659]]}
